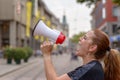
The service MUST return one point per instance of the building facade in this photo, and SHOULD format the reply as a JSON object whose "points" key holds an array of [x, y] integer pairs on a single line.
{"points": [[12, 23], [105, 17], [17, 20]]}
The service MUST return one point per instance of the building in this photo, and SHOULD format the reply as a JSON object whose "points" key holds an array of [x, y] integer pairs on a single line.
{"points": [[65, 30], [17, 20], [12, 23], [105, 17]]}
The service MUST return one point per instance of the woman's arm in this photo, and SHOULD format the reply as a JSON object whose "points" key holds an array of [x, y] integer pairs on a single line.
{"points": [[49, 68], [46, 48]]}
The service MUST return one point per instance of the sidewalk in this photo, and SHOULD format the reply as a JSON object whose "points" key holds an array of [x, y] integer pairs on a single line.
{"points": [[8, 68]]}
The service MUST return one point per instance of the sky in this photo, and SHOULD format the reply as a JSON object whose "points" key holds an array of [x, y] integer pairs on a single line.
{"points": [[77, 15]]}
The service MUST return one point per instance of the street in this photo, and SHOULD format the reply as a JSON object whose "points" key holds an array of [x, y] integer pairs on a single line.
{"points": [[35, 71]]}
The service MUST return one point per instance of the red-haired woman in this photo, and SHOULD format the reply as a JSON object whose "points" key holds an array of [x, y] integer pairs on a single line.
{"points": [[94, 47]]}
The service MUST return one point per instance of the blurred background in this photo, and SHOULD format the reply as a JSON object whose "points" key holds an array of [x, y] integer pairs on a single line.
{"points": [[18, 18], [72, 17]]}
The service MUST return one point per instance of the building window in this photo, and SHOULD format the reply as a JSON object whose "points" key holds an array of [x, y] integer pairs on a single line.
{"points": [[5, 34], [103, 1], [103, 13], [115, 11], [118, 30], [114, 28]]}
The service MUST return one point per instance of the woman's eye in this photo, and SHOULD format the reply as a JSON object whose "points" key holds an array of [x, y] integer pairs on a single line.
{"points": [[85, 37]]}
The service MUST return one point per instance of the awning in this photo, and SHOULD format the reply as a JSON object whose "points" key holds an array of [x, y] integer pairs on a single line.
{"points": [[115, 38]]}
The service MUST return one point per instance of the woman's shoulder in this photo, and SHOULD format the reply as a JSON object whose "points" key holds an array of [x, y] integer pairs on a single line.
{"points": [[86, 71], [94, 65], [88, 66]]}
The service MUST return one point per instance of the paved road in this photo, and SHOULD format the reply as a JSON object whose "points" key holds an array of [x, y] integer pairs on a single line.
{"points": [[35, 71]]}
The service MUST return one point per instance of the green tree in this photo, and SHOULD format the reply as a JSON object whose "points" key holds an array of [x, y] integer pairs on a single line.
{"points": [[90, 2], [116, 2], [76, 37]]}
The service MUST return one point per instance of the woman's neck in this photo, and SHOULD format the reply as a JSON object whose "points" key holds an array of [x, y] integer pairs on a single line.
{"points": [[87, 59]]}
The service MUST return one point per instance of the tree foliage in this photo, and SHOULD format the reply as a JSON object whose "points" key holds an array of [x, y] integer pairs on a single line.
{"points": [[76, 37], [116, 2], [90, 2]]}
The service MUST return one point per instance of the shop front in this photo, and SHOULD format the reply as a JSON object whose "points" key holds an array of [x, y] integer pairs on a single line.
{"points": [[4, 34], [115, 42]]}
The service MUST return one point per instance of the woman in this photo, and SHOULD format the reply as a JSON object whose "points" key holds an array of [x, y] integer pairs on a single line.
{"points": [[94, 47]]}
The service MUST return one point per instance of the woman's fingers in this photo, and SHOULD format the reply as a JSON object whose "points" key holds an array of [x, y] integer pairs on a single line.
{"points": [[46, 47], [46, 43]]}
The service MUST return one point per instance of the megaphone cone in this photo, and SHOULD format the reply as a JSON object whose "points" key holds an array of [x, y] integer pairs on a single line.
{"points": [[41, 29]]}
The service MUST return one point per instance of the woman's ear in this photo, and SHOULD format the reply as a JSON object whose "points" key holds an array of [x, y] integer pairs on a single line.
{"points": [[93, 48]]}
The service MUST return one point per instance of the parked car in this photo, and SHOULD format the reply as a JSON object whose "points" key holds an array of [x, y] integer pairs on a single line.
{"points": [[38, 53], [55, 52], [118, 49]]}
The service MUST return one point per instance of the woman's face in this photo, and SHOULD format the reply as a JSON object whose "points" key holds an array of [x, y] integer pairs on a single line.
{"points": [[84, 44]]}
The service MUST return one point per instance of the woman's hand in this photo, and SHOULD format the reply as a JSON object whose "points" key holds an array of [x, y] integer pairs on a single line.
{"points": [[46, 48]]}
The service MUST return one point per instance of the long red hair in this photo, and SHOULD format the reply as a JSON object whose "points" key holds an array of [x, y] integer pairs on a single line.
{"points": [[111, 56]]}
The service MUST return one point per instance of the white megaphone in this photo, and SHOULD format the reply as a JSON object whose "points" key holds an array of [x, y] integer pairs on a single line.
{"points": [[54, 35]]}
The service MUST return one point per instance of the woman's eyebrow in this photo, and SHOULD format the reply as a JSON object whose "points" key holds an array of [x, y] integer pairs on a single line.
{"points": [[86, 36]]}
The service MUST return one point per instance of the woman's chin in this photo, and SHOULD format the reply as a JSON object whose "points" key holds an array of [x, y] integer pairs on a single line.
{"points": [[77, 54]]}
